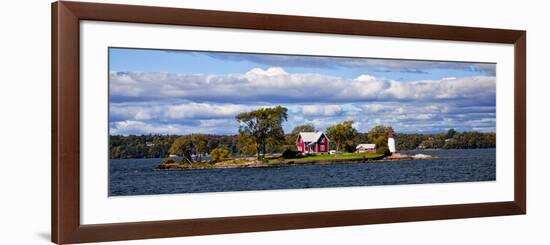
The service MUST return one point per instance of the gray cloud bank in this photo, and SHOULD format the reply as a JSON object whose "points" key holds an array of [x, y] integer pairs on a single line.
{"points": [[167, 103]]}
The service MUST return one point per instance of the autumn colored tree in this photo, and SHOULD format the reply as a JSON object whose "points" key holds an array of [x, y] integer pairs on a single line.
{"points": [[189, 145], [183, 146]]}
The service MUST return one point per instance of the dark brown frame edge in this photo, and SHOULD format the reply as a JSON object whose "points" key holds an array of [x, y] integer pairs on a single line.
{"points": [[66, 227]]}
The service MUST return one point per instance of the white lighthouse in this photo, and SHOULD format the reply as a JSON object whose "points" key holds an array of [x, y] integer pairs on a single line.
{"points": [[391, 141]]}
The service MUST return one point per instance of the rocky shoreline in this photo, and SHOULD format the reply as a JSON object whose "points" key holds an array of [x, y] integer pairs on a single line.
{"points": [[260, 164]]}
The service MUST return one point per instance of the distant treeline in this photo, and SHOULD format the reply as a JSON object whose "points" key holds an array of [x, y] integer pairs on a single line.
{"points": [[450, 140], [158, 146]]}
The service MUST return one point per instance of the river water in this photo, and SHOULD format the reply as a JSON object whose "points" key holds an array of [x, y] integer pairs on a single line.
{"points": [[139, 176]]}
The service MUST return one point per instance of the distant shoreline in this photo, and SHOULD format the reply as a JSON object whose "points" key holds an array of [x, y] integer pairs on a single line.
{"points": [[404, 150]]}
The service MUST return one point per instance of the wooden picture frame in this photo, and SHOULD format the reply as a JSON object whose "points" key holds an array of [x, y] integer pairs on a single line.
{"points": [[65, 174]]}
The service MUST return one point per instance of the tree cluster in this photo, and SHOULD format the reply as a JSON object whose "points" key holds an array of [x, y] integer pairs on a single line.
{"points": [[143, 146], [343, 135], [158, 146], [450, 140]]}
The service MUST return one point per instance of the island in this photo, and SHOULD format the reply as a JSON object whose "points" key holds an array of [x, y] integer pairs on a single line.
{"points": [[261, 129], [274, 161]]}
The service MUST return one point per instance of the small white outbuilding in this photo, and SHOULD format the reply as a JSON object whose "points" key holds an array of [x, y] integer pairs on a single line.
{"points": [[365, 148]]}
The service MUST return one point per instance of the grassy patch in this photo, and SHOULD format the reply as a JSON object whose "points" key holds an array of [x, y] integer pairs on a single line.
{"points": [[345, 156], [232, 161]]}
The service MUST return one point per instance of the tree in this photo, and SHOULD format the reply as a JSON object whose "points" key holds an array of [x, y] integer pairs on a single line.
{"points": [[343, 135], [379, 136], [409, 141], [219, 154], [379, 130], [189, 145], [450, 134], [247, 145], [200, 143], [469, 140], [183, 146], [263, 125], [303, 128]]}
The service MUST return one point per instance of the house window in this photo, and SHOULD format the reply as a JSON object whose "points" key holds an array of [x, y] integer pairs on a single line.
{"points": [[322, 147]]}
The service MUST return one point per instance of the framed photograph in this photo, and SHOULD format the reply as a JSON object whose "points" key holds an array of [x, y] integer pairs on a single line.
{"points": [[176, 122]]}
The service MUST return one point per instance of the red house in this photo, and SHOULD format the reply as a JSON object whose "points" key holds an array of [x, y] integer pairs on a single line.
{"points": [[312, 142]]}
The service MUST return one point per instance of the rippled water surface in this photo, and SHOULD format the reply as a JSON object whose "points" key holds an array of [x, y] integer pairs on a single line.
{"points": [[139, 177]]}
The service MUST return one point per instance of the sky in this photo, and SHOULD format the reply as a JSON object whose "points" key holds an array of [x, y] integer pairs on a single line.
{"points": [[184, 92]]}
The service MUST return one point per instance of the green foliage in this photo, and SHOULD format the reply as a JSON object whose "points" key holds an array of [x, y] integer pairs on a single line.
{"points": [[183, 146], [219, 154], [471, 140], [303, 128], [381, 142], [379, 136], [200, 144], [160, 146], [460, 140], [409, 141], [189, 145], [363, 155], [450, 134], [362, 138], [379, 131], [144, 146], [264, 126], [289, 154], [246, 144], [433, 143], [343, 135]]}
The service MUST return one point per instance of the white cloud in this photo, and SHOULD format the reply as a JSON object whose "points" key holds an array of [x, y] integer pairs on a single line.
{"points": [[137, 127], [215, 126], [204, 110], [140, 111], [275, 85], [272, 71], [321, 110], [178, 104], [138, 118]]}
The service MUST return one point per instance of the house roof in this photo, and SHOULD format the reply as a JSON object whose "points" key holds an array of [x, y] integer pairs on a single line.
{"points": [[367, 146], [308, 137]]}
